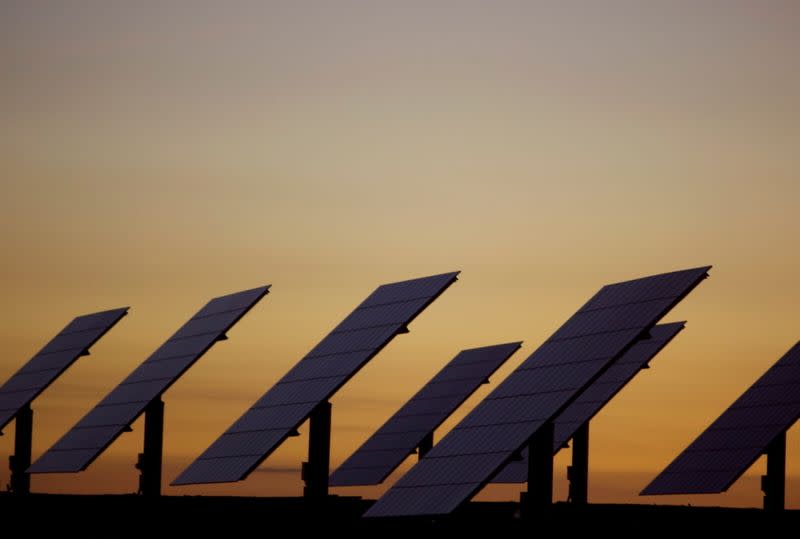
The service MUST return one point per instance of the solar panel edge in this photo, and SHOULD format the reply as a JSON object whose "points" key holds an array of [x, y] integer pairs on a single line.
{"points": [[265, 288], [353, 483], [177, 482], [38, 470], [122, 312], [453, 278]]}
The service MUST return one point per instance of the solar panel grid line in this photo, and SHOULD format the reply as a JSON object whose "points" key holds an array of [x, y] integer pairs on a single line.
{"points": [[671, 286], [737, 438], [72, 341], [591, 401], [282, 417], [84, 329], [26, 382], [413, 426], [393, 441], [328, 367], [104, 416], [349, 338], [98, 429], [353, 341], [49, 362], [36, 375], [430, 405], [155, 370]]}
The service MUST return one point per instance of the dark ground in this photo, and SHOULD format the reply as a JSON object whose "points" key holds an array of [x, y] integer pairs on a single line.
{"points": [[116, 515]]}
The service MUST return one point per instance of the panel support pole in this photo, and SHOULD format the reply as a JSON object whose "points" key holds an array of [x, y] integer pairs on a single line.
{"points": [[425, 445], [21, 459], [539, 498], [774, 483], [150, 459], [317, 469], [578, 473]]}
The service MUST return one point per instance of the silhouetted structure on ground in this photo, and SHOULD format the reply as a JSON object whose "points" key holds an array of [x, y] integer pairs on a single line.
{"points": [[17, 394], [141, 393], [754, 425]]}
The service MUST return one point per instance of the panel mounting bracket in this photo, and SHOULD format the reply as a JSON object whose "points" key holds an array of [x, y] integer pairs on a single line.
{"points": [[425, 445], [315, 472], [578, 472], [773, 484], [21, 459], [538, 500], [150, 460]]}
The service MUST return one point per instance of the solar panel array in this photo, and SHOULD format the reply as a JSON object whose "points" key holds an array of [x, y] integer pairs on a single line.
{"points": [[42, 369], [534, 394], [726, 449], [101, 426], [314, 379], [389, 446], [591, 401]]}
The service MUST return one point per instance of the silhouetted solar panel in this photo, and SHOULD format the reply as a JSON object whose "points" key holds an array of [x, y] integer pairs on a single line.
{"points": [[597, 395], [421, 415], [101, 426], [534, 394], [42, 369], [317, 376], [726, 449]]}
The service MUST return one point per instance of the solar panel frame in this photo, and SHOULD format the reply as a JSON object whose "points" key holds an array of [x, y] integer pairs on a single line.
{"points": [[596, 396], [728, 447], [383, 314], [632, 309], [53, 359], [472, 367], [104, 423]]}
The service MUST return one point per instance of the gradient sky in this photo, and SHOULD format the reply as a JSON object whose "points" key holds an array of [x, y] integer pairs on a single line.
{"points": [[156, 154]]}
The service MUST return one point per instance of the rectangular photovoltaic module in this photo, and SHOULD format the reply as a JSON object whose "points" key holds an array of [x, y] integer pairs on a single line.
{"points": [[535, 394], [314, 379], [110, 418], [726, 449], [389, 446], [42, 369], [591, 401]]}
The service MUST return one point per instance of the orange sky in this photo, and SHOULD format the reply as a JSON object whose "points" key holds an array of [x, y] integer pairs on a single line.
{"points": [[158, 154]]}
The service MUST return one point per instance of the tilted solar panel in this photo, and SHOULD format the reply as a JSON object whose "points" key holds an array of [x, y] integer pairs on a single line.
{"points": [[110, 418], [42, 369], [535, 394], [727, 448], [314, 379], [389, 446], [597, 395]]}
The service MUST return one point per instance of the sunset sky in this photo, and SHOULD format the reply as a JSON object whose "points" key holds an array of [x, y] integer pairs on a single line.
{"points": [[157, 154]]}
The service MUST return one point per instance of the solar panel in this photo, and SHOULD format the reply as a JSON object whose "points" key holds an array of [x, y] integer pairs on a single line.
{"points": [[534, 394], [110, 418], [314, 379], [42, 369], [591, 401], [419, 417], [726, 449]]}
